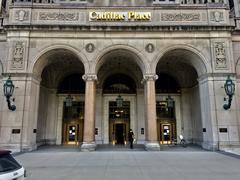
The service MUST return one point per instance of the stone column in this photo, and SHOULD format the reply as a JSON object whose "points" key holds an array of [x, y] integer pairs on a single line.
{"points": [[151, 143], [89, 113]]}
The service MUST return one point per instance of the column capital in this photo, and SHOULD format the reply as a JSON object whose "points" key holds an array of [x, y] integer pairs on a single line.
{"points": [[89, 77], [149, 77]]}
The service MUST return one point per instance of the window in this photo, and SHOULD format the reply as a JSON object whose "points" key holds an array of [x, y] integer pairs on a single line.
{"points": [[119, 113], [8, 163], [163, 111]]}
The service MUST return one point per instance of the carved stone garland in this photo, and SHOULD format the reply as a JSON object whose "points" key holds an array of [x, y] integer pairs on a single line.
{"points": [[220, 55], [18, 56]]}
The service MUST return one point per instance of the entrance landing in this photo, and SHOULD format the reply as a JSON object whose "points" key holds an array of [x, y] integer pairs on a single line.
{"points": [[58, 148], [110, 147]]}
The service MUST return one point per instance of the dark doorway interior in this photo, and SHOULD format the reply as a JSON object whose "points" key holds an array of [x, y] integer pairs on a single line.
{"points": [[119, 134]]}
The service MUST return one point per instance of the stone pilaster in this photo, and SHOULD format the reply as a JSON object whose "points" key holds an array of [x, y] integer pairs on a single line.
{"points": [[151, 143], [89, 113], [19, 127]]}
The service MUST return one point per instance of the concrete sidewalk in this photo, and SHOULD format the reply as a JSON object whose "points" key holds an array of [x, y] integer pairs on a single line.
{"points": [[135, 165]]}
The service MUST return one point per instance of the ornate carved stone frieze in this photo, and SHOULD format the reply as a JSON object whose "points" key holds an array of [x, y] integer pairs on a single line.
{"points": [[59, 16], [149, 77], [18, 56], [216, 16], [180, 17], [22, 15], [149, 48], [89, 77], [90, 47], [220, 55]]}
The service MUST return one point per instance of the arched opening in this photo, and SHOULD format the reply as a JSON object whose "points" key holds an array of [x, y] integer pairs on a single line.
{"points": [[178, 98], [60, 119], [119, 85], [166, 87], [120, 77]]}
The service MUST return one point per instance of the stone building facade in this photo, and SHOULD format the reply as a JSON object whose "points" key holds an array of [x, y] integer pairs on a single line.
{"points": [[146, 52]]}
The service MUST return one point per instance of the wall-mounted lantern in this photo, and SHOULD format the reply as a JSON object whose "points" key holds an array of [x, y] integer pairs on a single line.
{"points": [[69, 100], [8, 89], [119, 101], [229, 87], [170, 102]]}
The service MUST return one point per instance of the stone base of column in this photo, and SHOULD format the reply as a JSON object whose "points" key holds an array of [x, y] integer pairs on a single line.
{"points": [[210, 146], [152, 146], [86, 147], [15, 148]]}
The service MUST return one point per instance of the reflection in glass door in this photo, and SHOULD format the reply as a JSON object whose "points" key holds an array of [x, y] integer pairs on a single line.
{"points": [[72, 134], [166, 132]]}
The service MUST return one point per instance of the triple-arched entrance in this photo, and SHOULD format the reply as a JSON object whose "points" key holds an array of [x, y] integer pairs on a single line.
{"points": [[76, 110]]}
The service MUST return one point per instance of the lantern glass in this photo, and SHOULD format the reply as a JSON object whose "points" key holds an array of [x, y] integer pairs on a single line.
{"points": [[69, 100], [119, 101], [170, 102], [8, 88], [229, 87]]}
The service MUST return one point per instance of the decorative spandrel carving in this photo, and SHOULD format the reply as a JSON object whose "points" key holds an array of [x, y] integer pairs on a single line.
{"points": [[220, 54], [149, 48], [22, 15], [180, 17], [216, 16], [59, 16], [18, 56]]}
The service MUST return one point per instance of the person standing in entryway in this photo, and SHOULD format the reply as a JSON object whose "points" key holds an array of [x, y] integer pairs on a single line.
{"points": [[131, 138]]}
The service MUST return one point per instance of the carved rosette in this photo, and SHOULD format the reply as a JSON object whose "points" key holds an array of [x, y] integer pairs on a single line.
{"points": [[220, 55], [90, 47], [18, 56], [149, 48], [149, 77], [89, 77]]}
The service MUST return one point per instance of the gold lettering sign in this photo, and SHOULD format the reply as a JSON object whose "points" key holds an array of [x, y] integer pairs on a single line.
{"points": [[119, 16]]}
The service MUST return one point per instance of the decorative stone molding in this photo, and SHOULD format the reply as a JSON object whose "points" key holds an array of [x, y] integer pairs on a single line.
{"points": [[180, 17], [149, 77], [22, 15], [220, 55], [87, 147], [90, 47], [149, 48], [89, 77], [58, 16], [151, 146], [18, 56], [216, 16]]}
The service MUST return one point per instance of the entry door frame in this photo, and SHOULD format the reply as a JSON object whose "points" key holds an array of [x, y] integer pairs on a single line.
{"points": [[133, 115], [178, 109], [59, 121]]}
